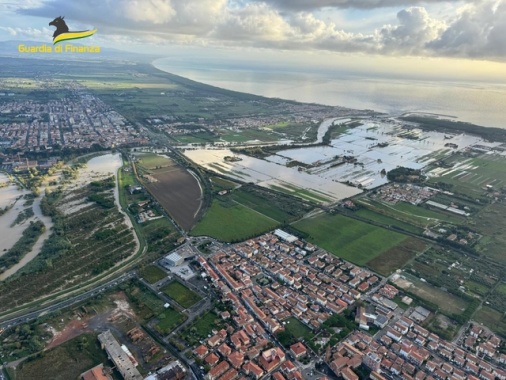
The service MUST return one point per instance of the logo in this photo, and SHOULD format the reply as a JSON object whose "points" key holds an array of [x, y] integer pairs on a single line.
{"points": [[62, 32]]}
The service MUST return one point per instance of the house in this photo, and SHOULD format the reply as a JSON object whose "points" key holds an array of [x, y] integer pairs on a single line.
{"points": [[212, 359], [217, 371], [252, 369], [298, 350], [348, 374], [201, 351]]}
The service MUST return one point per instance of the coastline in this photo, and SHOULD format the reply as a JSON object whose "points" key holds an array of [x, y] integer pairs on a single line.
{"points": [[395, 97]]}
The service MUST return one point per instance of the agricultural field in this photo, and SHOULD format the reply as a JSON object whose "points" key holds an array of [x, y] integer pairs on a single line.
{"points": [[181, 294], [493, 319], [387, 220], [447, 303], [159, 234], [491, 222], [64, 362], [219, 184], [232, 222], [151, 161], [396, 257], [152, 273], [177, 191], [348, 238], [469, 175], [407, 215], [277, 206]]}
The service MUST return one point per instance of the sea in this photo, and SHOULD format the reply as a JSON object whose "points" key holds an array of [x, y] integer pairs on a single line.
{"points": [[475, 102]]}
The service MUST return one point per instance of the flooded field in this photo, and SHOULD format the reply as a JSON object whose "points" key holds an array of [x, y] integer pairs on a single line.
{"points": [[376, 146], [271, 175], [97, 168], [48, 223], [357, 158], [10, 195]]}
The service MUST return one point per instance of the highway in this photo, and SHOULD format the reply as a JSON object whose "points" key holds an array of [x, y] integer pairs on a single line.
{"points": [[30, 316]]}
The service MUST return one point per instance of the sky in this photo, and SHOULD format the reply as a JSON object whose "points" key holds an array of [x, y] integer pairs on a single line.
{"points": [[457, 38]]}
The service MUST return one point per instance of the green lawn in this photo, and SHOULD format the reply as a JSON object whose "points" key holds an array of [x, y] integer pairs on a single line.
{"points": [[298, 329], [152, 274], [168, 320], [181, 294], [233, 222], [205, 324], [348, 238]]}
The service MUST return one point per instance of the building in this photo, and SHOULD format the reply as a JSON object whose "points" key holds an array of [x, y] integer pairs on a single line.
{"points": [[372, 361], [96, 373], [173, 260], [285, 236], [120, 358], [173, 371], [298, 350]]}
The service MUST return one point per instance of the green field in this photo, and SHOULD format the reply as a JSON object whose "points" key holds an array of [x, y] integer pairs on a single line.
{"points": [[233, 223], [64, 362], [475, 174], [407, 214], [152, 273], [491, 222], [298, 329], [181, 294], [246, 135], [145, 303], [492, 319], [222, 184], [348, 238], [168, 320], [310, 195], [151, 161], [396, 257], [448, 303], [386, 220], [205, 324], [477, 288]]}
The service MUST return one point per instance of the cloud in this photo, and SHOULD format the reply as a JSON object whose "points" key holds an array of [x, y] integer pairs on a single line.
{"points": [[478, 31], [29, 33], [415, 30], [348, 4], [475, 30], [162, 16]]}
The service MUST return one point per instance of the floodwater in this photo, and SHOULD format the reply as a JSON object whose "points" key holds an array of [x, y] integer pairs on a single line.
{"points": [[97, 168], [414, 149], [362, 143], [268, 174], [48, 223], [8, 196]]}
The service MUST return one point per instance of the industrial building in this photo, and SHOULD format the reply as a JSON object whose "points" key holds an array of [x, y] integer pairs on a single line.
{"points": [[174, 259], [124, 362]]}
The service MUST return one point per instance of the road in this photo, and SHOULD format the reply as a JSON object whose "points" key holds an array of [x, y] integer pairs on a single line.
{"points": [[30, 316]]}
